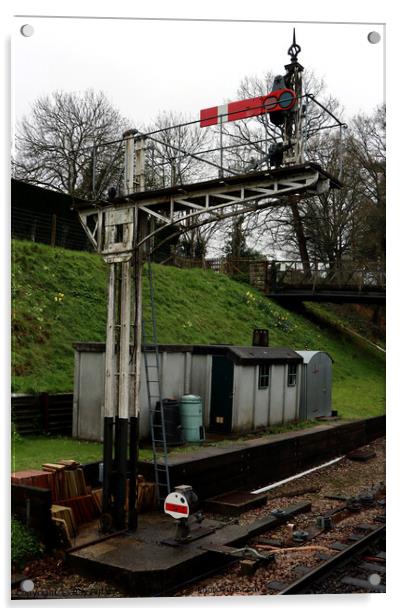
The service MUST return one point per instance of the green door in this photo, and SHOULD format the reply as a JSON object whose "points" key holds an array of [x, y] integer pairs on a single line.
{"points": [[221, 394]]}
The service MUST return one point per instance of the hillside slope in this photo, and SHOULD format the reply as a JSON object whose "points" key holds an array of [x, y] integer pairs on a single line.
{"points": [[59, 297]]}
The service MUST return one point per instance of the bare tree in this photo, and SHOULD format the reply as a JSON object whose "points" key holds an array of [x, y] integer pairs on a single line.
{"points": [[59, 144], [174, 156], [172, 149], [283, 222], [257, 134], [332, 221], [368, 148], [348, 224]]}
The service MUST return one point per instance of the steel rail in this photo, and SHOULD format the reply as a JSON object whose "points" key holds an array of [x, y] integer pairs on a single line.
{"points": [[329, 566]]}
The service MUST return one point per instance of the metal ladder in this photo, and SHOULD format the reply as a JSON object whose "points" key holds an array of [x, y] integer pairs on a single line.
{"points": [[155, 398]]}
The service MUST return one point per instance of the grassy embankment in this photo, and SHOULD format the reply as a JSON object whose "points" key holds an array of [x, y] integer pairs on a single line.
{"points": [[59, 298]]}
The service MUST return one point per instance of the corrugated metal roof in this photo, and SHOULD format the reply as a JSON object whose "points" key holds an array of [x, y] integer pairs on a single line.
{"points": [[308, 355], [252, 355], [238, 354]]}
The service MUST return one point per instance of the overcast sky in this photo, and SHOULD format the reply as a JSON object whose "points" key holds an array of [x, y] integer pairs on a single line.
{"points": [[145, 67]]}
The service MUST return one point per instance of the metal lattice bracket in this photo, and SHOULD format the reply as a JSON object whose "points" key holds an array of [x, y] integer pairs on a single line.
{"points": [[111, 230]]}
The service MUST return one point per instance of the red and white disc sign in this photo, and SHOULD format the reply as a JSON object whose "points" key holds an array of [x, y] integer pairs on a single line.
{"points": [[176, 505]]}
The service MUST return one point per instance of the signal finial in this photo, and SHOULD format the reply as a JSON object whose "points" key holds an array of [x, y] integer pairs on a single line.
{"points": [[294, 49]]}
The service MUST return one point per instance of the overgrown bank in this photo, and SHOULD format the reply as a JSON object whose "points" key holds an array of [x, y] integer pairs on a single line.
{"points": [[59, 297]]}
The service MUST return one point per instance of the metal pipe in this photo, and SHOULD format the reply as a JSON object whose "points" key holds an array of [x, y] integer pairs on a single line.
{"points": [[311, 470], [121, 443], [93, 171], [194, 156], [107, 463], [133, 465], [325, 109], [221, 147], [340, 151], [128, 136]]}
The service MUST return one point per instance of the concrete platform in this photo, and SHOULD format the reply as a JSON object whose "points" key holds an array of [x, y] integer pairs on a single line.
{"points": [[256, 462], [146, 567]]}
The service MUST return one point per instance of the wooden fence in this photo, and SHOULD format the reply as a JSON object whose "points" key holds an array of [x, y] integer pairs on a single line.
{"points": [[42, 413]]}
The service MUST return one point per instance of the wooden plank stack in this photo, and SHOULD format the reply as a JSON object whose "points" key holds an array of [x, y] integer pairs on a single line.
{"points": [[64, 517], [72, 492], [73, 502], [97, 496], [146, 494], [38, 479], [82, 506]]}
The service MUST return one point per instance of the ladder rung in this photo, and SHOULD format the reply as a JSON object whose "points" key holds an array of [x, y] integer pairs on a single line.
{"points": [[155, 396]]}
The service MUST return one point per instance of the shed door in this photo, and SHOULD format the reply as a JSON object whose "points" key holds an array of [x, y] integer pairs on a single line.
{"points": [[318, 389], [221, 394]]}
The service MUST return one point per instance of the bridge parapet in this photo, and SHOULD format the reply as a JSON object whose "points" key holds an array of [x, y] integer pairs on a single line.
{"points": [[297, 279]]}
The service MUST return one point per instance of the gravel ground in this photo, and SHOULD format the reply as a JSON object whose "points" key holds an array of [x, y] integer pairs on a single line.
{"points": [[347, 478], [52, 579]]}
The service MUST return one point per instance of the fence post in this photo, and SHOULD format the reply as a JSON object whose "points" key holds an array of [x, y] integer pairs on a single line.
{"points": [[44, 407], [53, 231], [33, 230]]}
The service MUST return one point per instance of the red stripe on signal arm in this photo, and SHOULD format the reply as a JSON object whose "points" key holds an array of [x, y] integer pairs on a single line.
{"points": [[209, 117], [176, 508], [239, 110]]}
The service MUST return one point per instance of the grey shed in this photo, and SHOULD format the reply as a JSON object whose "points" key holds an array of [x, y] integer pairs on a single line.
{"points": [[316, 385]]}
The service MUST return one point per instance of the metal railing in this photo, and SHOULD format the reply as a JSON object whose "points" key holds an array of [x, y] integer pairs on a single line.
{"points": [[278, 276]]}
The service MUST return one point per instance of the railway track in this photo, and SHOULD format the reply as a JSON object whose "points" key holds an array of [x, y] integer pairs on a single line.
{"points": [[354, 564], [328, 548], [359, 567]]}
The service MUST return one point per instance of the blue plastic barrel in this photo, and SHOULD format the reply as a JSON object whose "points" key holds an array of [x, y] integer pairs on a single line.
{"points": [[191, 419]]}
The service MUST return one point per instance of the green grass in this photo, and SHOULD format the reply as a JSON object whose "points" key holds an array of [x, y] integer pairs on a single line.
{"points": [[24, 545], [30, 452], [193, 306], [33, 451]]}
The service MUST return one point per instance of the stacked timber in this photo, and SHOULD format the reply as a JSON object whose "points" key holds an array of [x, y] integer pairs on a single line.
{"points": [[73, 502], [83, 507], [64, 517], [146, 494], [69, 480], [38, 479], [97, 496], [72, 492]]}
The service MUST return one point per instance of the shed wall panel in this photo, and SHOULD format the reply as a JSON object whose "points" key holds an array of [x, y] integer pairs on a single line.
{"points": [[243, 408], [278, 374], [199, 382], [291, 398], [261, 405], [91, 389]]}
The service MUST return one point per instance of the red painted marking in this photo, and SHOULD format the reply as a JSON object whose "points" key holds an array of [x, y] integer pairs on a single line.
{"points": [[209, 116], [176, 508], [248, 108]]}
